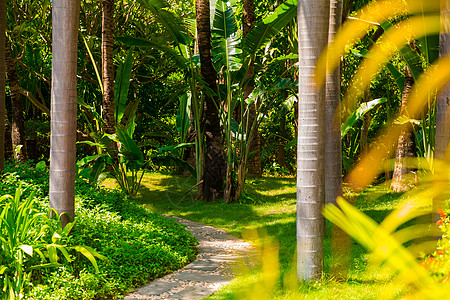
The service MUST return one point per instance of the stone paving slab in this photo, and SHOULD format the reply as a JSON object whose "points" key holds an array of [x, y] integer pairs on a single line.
{"points": [[157, 288], [214, 267], [192, 293], [202, 265], [201, 277]]}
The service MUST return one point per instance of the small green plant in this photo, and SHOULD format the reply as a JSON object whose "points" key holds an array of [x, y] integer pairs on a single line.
{"points": [[127, 163], [30, 240]]}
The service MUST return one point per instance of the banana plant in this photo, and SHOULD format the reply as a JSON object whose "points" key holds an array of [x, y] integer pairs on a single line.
{"points": [[231, 57]]}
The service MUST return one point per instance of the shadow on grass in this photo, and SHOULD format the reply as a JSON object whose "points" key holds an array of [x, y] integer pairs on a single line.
{"points": [[271, 213]]}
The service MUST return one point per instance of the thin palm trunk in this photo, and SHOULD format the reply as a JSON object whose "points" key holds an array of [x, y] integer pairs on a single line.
{"points": [[65, 19], [312, 39], [443, 111], [214, 158], [2, 82], [18, 136], [108, 103], [403, 178]]}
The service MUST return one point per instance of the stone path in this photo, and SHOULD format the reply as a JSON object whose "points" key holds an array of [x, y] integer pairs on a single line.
{"points": [[215, 266]]}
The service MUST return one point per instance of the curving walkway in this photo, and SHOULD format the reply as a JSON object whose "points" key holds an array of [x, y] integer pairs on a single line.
{"points": [[215, 266]]}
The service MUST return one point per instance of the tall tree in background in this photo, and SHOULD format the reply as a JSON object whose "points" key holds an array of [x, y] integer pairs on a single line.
{"points": [[65, 19], [402, 179], [313, 19], [214, 158], [108, 103], [443, 109], [254, 163], [2, 82], [18, 136]]}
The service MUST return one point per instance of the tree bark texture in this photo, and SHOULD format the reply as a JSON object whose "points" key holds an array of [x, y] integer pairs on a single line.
{"points": [[65, 20], [333, 145], [108, 102], [214, 158], [9, 151], [441, 149], [341, 242], [2, 82], [312, 38], [403, 177], [18, 136], [254, 163]]}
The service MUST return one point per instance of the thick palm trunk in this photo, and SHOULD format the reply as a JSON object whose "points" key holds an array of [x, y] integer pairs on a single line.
{"points": [[403, 178], [443, 112], [214, 159], [312, 39], [108, 103], [65, 19], [2, 82], [18, 136]]}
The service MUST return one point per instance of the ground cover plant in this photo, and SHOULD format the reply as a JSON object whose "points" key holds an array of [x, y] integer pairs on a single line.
{"points": [[138, 246], [267, 219]]}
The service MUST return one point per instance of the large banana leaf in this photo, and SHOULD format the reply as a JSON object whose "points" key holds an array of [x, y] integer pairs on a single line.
{"points": [[225, 38], [359, 113], [182, 120], [172, 24], [265, 30], [122, 85], [129, 148]]}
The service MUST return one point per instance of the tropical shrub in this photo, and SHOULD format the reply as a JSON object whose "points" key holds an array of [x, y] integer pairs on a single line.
{"points": [[31, 240], [139, 246]]}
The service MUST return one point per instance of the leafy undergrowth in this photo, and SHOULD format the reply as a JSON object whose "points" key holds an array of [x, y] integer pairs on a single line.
{"points": [[139, 246]]}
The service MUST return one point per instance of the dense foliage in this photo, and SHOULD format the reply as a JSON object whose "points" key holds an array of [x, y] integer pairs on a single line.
{"points": [[139, 246]]}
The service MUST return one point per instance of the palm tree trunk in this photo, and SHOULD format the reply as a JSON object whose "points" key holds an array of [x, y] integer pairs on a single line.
{"points": [[65, 20], [312, 39], [19, 139], [108, 103], [333, 147], [443, 112], [214, 158], [402, 178], [2, 82], [341, 242]]}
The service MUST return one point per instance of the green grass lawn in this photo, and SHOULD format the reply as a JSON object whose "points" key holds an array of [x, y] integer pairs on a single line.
{"points": [[269, 215]]}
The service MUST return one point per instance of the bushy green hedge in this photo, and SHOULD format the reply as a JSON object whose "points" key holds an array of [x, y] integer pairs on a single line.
{"points": [[139, 245]]}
